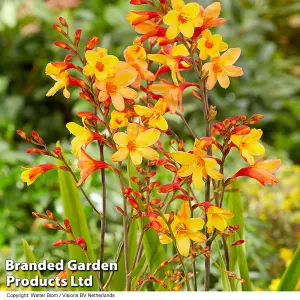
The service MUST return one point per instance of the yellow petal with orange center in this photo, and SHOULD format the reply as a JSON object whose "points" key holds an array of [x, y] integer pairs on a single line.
{"points": [[102, 52], [110, 61], [92, 57], [218, 222], [89, 70], [185, 171], [177, 4], [160, 123], [125, 78], [132, 130], [187, 29]]}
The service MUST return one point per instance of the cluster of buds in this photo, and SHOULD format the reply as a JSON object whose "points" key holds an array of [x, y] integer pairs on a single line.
{"points": [[233, 275]]}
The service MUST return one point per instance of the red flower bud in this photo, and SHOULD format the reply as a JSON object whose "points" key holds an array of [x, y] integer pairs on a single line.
{"points": [[50, 215], [23, 135], [119, 210], [171, 168], [58, 28], [92, 43], [140, 170], [239, 242], [37, 151], [139, 2], [133, 203], [167, 188], [81, 243], [68, 226], [63, 22], [77, 36], [150, 186], [156, 226], [151, 174], [177, 288], [52, 226], [62, 45], [241, 130], [155, 201], [63, 242], [57, 151], [37, 215], [136, 180], [127, 191], [37, 138]]}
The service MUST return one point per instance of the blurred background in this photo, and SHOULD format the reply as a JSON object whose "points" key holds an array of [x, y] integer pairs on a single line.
{"points": [[267, 31]]}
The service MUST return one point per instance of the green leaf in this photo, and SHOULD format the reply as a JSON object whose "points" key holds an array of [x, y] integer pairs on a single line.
{"points": [[135, 274], [238, 253], [291, 275], [74, 212], [30, 258], [225, 280]]}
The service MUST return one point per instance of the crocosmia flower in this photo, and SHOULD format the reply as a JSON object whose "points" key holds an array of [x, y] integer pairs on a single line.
{"points": [[262, 171], [32, 173], [155, 114], [221, 68], [62, 82], [99, 64], [116, 87], [118, 120], [136, 144], [210, 45], [248, 145], [184, 229], [182, 19], [197, 164], [216, 217]]}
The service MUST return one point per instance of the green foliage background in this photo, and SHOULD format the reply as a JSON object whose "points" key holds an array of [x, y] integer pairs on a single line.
{"points": [[268, 33]]}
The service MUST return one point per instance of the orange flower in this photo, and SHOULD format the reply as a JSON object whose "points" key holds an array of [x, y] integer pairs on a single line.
{"points": [[87, 165], [99, 64], [173, 58], [182, 19], [210, 45], [261, 171], [32, 173], [155, 114], [135, 56], [210, 16], [184, 229], [173, 93], [221, 67], [118, 120], [216, 217], [248, 145], [116, 87], [136, 144]]}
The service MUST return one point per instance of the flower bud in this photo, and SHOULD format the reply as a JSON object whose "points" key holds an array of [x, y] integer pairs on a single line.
{"points": [[77, 37], [119, 210], [50, 215], [37, 215], [52, 226], [91, 43], [37, 137], [23, 135], [81, 243], [63, 242], [171, 168], [62, 45], [127, 191], [68, 226], [37, 151], [63, 22]]}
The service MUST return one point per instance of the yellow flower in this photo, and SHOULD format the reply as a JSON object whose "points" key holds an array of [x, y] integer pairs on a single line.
{"points": [[116, 87], [248, 145], [62, 81], [216, 218], [196, 164], [182, 19], [184, 229], [155, 114], [210, 45], [286, 254], [136, 144], [221, 67], [167, 59], [99, 64], [118, 120], [83, 136]]}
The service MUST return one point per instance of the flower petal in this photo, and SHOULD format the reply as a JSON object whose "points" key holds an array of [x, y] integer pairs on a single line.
{"points": [[185, 171], [171, 18], [136, 157], [88, 70], [148, 153], [92, 57], [197, 177], [142, 110], [120, 155], [147, 138], [121, 139], [184, 212], [187, 29], [183, 244], [230, 56], [234, 71], [118, 101], [172, 32], [223, 80], [183, 158], [197, 237], [128, 93], [191, 10], [195, 224], [164, 239]]}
